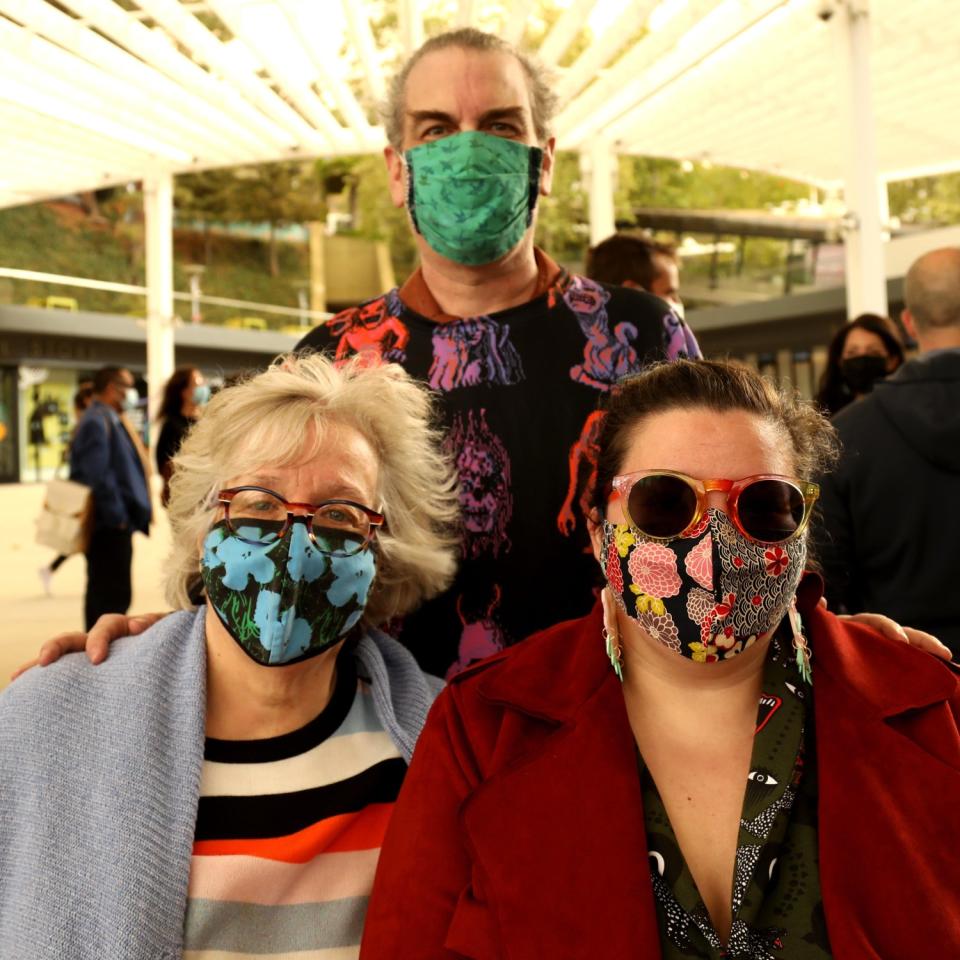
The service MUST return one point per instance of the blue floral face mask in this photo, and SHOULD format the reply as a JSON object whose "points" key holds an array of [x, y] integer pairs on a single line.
{"points": [[282, 599]]}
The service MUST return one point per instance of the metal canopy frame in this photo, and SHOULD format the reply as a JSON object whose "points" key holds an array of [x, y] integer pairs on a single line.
{"points": [[844, 94]]}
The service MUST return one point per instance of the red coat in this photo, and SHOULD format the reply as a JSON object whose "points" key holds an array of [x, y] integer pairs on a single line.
{"points": [[519, 832]]}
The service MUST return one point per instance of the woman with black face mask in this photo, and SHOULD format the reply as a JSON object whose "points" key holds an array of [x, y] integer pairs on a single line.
{"points": [[863, 351]]}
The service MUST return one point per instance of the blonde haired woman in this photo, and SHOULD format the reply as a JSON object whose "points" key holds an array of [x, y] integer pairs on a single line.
{"points": [[239, 804]]}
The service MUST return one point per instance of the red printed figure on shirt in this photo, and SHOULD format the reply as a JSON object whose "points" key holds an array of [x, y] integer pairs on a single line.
{"points": [[372, 330], [583, 474]]}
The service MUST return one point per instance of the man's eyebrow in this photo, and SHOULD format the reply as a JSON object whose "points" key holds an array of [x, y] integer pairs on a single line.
{"points": [[497, 113], [418, 116], [504, 113]]}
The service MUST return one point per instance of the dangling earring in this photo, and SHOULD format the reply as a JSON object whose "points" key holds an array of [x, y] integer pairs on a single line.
{"points": [[800, 645], [611, 636]]}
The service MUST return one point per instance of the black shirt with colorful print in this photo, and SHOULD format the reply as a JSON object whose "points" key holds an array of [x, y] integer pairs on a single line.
{"points": [[518, 391], [777, 909]]}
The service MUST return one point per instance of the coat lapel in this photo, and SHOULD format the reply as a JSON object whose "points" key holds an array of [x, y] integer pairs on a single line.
{"points": [[889, 775], [569, 814]]}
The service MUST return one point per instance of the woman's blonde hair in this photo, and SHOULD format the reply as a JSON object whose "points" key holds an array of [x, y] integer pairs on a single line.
{"points": [[267, 419]]}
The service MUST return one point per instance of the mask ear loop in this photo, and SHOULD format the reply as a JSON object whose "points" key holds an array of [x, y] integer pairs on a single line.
{"points": [[611, 635], [800, 646], [411, 197], [536, 165]]}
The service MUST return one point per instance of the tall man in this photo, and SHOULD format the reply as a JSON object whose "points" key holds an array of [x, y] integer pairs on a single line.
{"points": [[104, 457], [891, 526], [518, 350], [633, 261]]}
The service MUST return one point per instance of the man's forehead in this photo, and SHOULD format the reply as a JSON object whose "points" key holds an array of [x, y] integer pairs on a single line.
{"points": [[455, 80]]}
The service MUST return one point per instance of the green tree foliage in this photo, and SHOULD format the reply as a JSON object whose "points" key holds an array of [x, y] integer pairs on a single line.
{"points": [[655, 182], [562, 217], [934, 200], [205, 197], [277, 194]]}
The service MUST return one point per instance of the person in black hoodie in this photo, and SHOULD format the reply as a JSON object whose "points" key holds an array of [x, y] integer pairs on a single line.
{"points": [[889, 536]]}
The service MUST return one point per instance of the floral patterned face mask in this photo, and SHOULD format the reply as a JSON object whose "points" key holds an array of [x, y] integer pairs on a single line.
{"points": [[707, 595], [283, 600]]}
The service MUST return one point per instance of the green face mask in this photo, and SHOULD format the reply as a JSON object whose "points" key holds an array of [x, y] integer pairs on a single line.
{"points": [[472, 196]]}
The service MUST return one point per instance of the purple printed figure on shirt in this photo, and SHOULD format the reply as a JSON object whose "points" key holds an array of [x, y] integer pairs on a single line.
{"points": [[607, 355], [678, 340], [480, 638], [473, 351], [483, 464]]}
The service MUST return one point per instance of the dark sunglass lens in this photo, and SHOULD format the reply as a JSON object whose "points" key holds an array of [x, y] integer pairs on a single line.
{"points": [[661, 505], [770, 510]]}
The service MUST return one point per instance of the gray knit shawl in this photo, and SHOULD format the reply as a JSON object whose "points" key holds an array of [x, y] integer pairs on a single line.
{"points": [[99, 783]]}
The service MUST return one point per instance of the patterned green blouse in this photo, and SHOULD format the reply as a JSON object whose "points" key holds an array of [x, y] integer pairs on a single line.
{"points": [[777, 908]]}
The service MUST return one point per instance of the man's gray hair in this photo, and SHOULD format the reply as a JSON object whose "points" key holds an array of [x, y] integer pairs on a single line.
{"points": [[931, 289], [543, 100]]}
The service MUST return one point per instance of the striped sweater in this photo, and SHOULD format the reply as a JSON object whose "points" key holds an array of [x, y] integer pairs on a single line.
{"points": [[100, 780], [288, 834]]}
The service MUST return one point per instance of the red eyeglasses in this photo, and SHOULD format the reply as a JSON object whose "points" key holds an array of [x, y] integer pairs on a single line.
{"points": [[261, 516], [767, 508]]}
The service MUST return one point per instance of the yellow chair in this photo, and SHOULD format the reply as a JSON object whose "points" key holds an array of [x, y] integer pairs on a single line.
{"points": [[246, 323]]}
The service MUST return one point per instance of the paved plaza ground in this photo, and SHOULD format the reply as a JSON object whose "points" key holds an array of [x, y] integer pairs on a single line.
{"points": [[29, 615]]}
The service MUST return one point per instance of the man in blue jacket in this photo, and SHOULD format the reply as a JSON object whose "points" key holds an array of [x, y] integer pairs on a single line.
{"points": [[104, 458]]}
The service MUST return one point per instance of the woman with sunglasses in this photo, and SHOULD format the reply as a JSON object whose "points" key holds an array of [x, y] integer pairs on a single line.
{"points": [[710, 764], [222, 787]]}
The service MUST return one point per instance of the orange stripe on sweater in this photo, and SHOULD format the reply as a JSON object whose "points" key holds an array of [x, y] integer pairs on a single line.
{"points": [[363, 830]]}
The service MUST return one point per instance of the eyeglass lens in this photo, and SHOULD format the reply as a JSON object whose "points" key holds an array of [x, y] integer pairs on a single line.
{"points": [[663, 506], [770, 510], [259, 517]]}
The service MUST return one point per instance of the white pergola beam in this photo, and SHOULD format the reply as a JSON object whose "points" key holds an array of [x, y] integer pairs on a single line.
{"points": [[603, 49], [348, 105], [600, 162], [591, 110], [181, 108], [867, 208], [465, 9], [563, 32], [688, 57], [361, 35], [54, 107], [116, 23], [411, 26], [158, 235], [516, 25], [282, 60], [49, 68], [207, 48]]}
